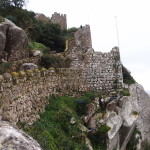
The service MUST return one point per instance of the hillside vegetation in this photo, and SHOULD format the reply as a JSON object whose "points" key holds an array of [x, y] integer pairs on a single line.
{"points": [[55, 130], [42, 32]]}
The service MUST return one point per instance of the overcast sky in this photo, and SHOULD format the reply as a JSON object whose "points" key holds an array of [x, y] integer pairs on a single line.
{"points": [[133, 19]]}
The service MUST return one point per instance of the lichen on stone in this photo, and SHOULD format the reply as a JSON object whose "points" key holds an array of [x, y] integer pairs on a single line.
{"points": [[15, 74], [36, 70], [43, 69], [29, 73], [21, 73]]}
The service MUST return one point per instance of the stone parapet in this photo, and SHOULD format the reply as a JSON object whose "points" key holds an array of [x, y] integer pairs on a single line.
{"points": [[60, 19]]}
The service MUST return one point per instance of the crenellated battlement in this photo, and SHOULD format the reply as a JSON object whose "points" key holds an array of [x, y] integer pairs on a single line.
{"points": [[60, 19]]}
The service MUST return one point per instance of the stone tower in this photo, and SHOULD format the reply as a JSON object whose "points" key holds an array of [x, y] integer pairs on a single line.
{"points": [[60, 19], [83, 38]]}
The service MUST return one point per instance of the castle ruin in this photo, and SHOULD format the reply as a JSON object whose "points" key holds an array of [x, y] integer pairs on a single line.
{"points": [[89, 71], [60, 19]]}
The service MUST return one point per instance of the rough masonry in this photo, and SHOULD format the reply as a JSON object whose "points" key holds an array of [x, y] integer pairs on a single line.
{"points": [[89, 71], [59, 19]]}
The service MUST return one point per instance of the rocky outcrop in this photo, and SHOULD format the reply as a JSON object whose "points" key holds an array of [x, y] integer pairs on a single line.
{"points": [[13, 42], [123, 114], [28, 66], [37, 53], [115, 122], [126, 112], [11, 138], [143, 100]]}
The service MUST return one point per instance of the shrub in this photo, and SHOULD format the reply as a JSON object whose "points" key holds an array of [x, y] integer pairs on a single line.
{"points": [[4, 67], [42, 32], [99, 139], [69, 33], [12, 18], [34, 46], [127, 78], [104, 129], [55, 61], [125, 92], [116, 84]]}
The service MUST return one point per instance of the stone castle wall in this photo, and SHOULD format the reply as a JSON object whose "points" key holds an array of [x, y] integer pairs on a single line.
{"points": [[103, 70], [17, 64], [59, 19], [22, 95]]}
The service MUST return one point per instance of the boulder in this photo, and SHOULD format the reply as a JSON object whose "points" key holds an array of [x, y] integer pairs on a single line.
{"points": [[96, 120], [37, 53], [28, 66], [14, 42], [114, 121], [14, 138], [7, 76], [111, 106], [126, 111]]}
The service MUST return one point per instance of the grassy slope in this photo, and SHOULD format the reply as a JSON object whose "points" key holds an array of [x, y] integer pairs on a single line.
{"points": [[54, 130]]}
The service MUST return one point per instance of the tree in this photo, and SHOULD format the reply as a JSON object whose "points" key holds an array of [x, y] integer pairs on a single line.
{"points": [[18, 3], [4, 3], [15, 3]]}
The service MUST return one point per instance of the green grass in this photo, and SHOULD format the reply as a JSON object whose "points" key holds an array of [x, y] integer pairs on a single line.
{"points": [[125, 92], [34, 46], [53, 130]]}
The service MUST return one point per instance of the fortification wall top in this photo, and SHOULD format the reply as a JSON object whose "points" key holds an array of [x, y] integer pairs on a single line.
{"points": [[60, 19], [83, 38]]}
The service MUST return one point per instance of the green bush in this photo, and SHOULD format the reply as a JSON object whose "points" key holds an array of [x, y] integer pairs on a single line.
{"points": [[12, 18], [48, 34], [68, 34], [127, 78], [4, 67], [99, 139], [125, 92], [104, 129], [55, 61], [116, 84], [34, 46]]}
